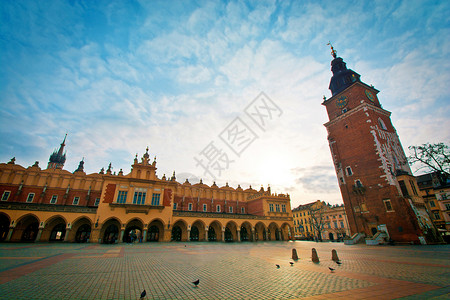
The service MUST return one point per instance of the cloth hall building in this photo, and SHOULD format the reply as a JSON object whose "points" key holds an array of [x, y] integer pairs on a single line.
{"points": [[53, 204]]}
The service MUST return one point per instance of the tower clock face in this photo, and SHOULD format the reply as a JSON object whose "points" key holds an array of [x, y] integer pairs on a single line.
{"points": [[341, 102], [369, 95]]}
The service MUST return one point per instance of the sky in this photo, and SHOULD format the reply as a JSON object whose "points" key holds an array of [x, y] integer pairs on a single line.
{"points": [[225, 91]]}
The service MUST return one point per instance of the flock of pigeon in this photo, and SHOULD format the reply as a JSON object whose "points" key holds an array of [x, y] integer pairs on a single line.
{"points": [[144, 293], [330, 268]]}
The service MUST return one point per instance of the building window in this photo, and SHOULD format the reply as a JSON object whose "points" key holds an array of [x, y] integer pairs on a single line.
{"points": [[75, 200], [363, 207], [335, 224], [432, 204], [271, 207], [342, 224], [381, 123], [190, 206], [447, 206], [218, 208], [349, 171], [97, 201], [230, 209], [242, 210], [122, 197], [139, 197], [155, 199], [205, 207], [54, 199], [283, 208], [5, 195], [403, 188], [413, 186], [358, 183], [277, 207], [388, 205], [436, 215], [174, 206], [30, 197]]}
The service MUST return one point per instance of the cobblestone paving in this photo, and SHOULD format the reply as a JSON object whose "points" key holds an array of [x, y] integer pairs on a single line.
{"points": [[226, 271]]}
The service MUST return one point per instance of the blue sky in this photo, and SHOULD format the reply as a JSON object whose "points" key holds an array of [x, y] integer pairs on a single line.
{"points": [[119, 76]]}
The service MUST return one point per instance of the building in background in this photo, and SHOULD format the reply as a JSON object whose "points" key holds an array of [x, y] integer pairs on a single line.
{"points": [[56, 205], [435, 190], [320, 221], [371, 166]]}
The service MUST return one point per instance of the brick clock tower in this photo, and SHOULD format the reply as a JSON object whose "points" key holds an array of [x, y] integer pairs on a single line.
{"points": [[376, 183]]}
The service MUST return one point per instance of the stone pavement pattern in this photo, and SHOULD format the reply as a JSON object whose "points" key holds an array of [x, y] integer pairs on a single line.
{"points": [[226, 271]]}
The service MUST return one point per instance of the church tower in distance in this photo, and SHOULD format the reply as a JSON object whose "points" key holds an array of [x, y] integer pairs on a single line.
{"points": [[58, 158], [376, 183]]}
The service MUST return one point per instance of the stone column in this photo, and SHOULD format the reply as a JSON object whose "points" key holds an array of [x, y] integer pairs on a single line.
{"points": [[253, 235], [223, 234], [66, 237], [206, 234], [8, 238], [239, 236], [38, 236], [144, 236], [188, 235], [95, 236], [122, 232]]}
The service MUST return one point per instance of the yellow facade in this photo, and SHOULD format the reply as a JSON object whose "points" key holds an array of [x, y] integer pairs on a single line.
{"points": [[319, 221], [56, 205]]}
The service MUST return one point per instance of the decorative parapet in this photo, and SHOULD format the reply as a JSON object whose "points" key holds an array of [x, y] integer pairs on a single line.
{"points": [[48, 207], [225, 216], [268, 194]]}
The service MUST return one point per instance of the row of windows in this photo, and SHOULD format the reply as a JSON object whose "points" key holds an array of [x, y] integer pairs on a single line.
{"points": [[138, 198], [205, 208], [277, 207], [53, 200]]}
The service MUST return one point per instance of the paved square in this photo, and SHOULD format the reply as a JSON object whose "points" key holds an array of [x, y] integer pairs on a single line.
{"points": [[226, 271]]}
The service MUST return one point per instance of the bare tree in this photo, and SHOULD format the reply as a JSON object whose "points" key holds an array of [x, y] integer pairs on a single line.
{"points": [[434, 157], [317, 219]]}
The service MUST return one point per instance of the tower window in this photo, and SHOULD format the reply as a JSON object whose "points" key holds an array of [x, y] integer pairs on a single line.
{"points": [[54, 199], [381, 123], [388, 205], [97, 201], [174, 206], [76, 200], [204, 207], [190, 206], [349, 171], [218, 208], [242, 210], [230, 209], [358, 183], [344, 110]]}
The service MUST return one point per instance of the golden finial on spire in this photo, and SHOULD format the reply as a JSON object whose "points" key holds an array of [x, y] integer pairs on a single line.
{"points": [[333, 52]]}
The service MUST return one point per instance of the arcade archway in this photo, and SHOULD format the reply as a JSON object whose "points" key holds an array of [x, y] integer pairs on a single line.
{"points": [[4, 226]]}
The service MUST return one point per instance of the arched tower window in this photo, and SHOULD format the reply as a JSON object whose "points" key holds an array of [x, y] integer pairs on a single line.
{"points": [[381, 123]]}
